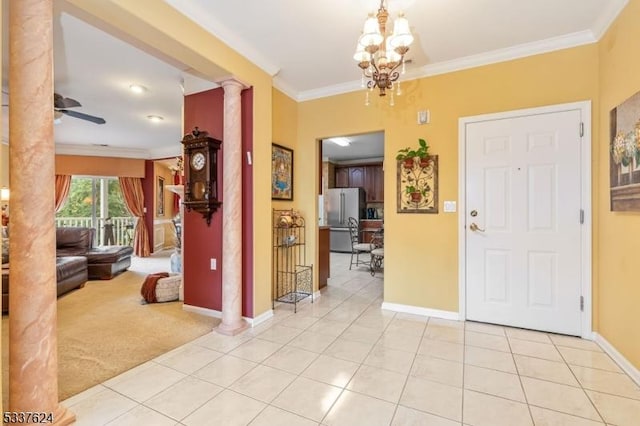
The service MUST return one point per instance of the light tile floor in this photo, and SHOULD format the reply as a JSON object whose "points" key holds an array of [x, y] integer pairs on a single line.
{"points": [[344, 361]]}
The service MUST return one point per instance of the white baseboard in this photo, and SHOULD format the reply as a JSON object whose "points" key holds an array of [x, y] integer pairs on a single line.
{"points": [[260, 318], [623, 362], [217, 314], [202, 311], [417, 310]]}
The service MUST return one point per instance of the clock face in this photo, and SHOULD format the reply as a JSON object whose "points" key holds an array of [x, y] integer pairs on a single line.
{"points": [[197, 161]]}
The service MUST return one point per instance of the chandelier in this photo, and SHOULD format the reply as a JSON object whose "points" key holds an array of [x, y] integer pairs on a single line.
{"points": [[380, 54]]}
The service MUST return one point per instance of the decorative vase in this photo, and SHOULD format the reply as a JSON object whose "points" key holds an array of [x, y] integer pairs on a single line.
{"points": [[176, 261]]}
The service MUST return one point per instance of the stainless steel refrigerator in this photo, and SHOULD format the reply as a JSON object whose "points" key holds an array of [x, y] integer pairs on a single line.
{"points": [[342, 204]]}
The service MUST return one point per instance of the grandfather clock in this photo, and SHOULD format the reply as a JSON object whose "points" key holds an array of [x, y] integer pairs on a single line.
{"points": [[201, 173]]}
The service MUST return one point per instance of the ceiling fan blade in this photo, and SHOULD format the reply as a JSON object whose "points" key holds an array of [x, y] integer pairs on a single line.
{"points": [[60, 101], [92, 118]]}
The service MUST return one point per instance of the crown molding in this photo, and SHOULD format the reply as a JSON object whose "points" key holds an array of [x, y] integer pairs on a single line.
{"points": [[101, 151], [323, 92], [282, 86], [510, 53], [500, 55], [211, 24], [612, 9]]}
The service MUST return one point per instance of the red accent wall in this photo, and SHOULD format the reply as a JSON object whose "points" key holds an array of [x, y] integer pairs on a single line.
{"points": [[247, 204], [203, 287], [148, 188]]}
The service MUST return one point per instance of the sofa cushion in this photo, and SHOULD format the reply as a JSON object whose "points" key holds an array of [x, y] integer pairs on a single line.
{"points": [[70, 265], [108, 254], [74, 241]]}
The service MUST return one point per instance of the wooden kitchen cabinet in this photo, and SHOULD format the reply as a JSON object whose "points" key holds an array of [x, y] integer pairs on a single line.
{"points": [[370, 177], [356, 177], [374, 183], [342, 177], [324, 243]]}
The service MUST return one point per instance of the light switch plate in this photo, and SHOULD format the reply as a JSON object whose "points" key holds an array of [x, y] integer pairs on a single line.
{"points": [[449, 206]]}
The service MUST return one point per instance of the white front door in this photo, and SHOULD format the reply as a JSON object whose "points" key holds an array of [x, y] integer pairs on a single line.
{"points": [[523, 221]]}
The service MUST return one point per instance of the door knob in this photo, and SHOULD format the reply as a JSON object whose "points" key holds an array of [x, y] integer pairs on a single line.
{"points": [[475, 228]]}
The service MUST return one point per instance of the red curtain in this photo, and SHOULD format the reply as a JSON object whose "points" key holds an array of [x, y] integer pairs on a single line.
{"points": [[134, 199], [177, 180], [63, 184]]}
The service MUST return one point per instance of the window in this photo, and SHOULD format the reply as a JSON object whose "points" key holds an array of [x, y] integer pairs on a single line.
{"points": [[98, 203]]}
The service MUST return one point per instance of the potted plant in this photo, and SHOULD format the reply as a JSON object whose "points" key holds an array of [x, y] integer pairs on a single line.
{"points": [[408, 155], [414, 193]]}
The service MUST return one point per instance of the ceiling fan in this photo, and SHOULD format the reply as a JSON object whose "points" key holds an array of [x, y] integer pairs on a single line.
{"points": [[61, 106]]}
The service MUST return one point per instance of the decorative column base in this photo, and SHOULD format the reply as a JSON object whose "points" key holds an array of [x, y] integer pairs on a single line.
{"points": [[232, 329], [63, 417]]}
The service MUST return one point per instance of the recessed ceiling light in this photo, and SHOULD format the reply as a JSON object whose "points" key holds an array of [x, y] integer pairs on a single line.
{"points": [[137, 88], [155, 118], [340, 141]]}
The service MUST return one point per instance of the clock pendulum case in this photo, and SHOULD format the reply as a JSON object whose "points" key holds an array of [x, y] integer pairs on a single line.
{"points": [[201, 173]]}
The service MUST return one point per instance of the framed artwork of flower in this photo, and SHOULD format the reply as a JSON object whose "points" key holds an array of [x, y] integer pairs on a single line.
{"points": [[624, 170]]}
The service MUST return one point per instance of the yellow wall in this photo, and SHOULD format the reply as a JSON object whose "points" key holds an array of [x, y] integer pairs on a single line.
{"points": [[285, 133], [421, 256], [618, 233]]}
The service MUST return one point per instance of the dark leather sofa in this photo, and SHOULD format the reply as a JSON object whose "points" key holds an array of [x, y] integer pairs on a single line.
{"points": [[71, 273], [103, 262]]}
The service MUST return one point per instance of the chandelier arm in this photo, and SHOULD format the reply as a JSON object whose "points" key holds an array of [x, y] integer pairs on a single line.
{"points": [[394, 75]]}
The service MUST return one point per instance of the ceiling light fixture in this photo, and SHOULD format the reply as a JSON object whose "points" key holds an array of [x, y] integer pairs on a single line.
{"points": [[340, 141], [380, 54], [155, 118], [137, 88]]}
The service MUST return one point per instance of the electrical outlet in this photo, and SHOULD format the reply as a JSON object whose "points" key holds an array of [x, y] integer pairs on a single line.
{"points": [[214, 264]]}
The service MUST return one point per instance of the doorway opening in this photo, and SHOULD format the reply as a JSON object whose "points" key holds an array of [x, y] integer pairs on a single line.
{"points": [[352, 186]]}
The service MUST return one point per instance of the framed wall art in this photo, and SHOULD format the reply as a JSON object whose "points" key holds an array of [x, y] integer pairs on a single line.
{"points": [[160, 197], [624, 162], [281, 173], [418, 185]]}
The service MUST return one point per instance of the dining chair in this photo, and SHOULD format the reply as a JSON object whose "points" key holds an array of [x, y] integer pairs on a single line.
{"points": [[357, 247]]}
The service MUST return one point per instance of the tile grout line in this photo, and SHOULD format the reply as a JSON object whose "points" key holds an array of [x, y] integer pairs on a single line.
{"points": [[406, 380], [524, 393], [580, 383]]}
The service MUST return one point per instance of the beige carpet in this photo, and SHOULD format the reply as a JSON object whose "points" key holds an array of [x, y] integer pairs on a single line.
{"points": [[104, 330]]}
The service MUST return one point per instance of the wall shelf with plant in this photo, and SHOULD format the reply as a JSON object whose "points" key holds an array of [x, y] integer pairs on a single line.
{"points": [[417, 179]]}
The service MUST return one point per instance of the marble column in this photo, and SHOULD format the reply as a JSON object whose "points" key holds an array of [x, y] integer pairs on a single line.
{"points": [[33, 356], [232, 322]]}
